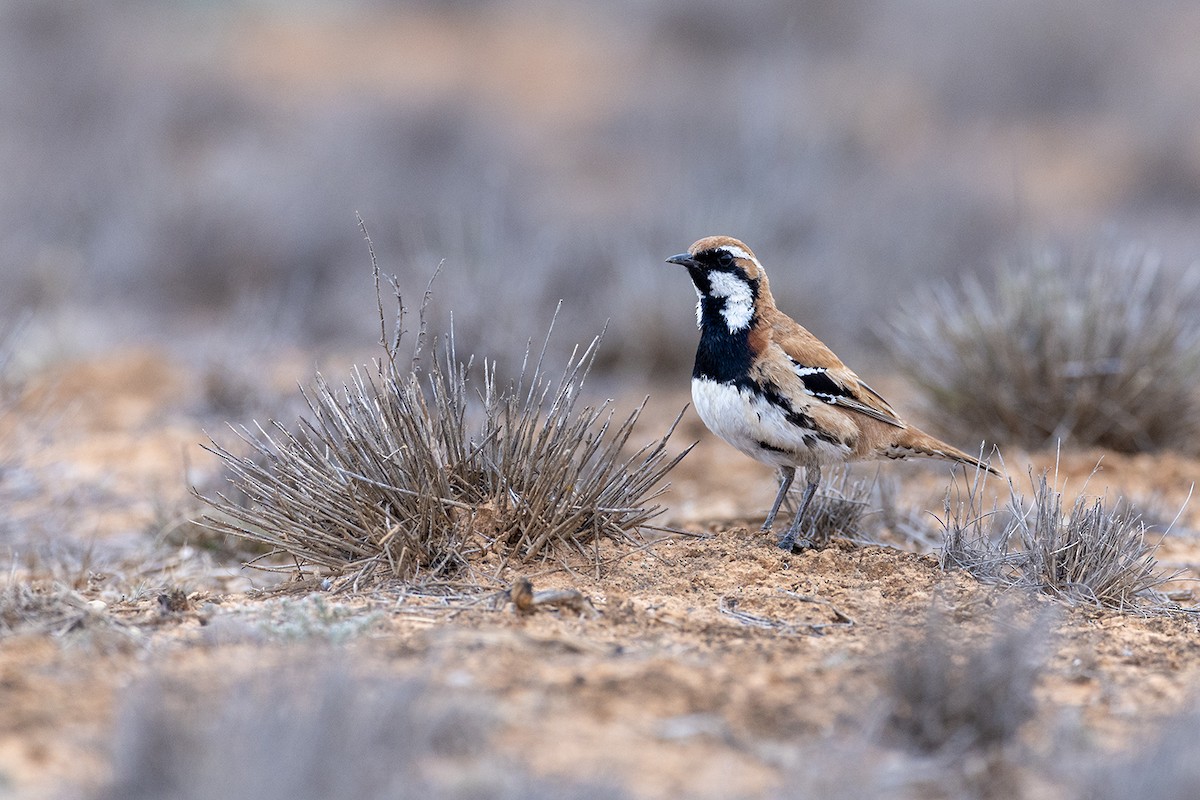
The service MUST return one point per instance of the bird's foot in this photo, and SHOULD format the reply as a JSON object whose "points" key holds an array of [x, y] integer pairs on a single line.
{"points": [[796, 544]]}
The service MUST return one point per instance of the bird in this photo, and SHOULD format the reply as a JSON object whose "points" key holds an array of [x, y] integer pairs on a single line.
{"points": [[766, 385]]}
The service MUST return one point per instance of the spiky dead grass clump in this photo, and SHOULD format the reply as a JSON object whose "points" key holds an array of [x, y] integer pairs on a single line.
{"points": [[1103, 350], [865, 510], [1096, 552], [409, 474], [955, 699]]}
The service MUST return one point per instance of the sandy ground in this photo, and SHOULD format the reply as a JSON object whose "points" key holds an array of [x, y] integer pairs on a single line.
{"points": [[713, 664]]}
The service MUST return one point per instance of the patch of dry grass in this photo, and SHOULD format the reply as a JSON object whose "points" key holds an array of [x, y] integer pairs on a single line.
{"points": [[411, 473], [840, 507], [1165, 766], [947, 722], [40, 606], [53, 609], [1095, 552]]}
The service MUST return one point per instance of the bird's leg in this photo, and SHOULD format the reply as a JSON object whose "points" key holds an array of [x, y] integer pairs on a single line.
{"points": [[788, 542], [786, 474]]}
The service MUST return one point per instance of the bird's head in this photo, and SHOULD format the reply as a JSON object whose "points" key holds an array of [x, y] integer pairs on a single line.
{"points": [[720, 254], [727, 274]]}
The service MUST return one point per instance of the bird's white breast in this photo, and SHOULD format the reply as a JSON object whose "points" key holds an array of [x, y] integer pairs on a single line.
{"points": [[747, 420]]}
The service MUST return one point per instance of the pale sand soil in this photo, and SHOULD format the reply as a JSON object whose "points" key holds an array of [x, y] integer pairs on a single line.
{"points": [[665, 691]]}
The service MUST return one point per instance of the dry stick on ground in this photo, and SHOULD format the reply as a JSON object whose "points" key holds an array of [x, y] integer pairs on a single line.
{"points": [[728, 606], [399, 474], [526, 600]]}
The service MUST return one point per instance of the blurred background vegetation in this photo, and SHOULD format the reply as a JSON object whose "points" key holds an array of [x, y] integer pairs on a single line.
{"points": [[172, 169]]}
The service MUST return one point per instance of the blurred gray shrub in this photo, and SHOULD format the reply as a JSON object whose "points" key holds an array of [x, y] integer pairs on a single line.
{"points": [[311, 728], [1099, 349]]}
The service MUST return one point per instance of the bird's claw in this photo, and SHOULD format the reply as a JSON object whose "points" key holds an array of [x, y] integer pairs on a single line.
{"points": [[794, 545]]}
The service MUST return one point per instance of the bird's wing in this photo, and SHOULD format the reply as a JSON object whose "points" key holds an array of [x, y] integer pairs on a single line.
{"points": [[825, 377]]}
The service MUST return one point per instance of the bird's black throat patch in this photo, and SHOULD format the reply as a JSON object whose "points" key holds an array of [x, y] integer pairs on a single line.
{"points": [[722, 356]]}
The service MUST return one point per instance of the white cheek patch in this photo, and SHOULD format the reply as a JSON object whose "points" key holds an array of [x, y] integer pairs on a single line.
{"points": [[739, 299]]}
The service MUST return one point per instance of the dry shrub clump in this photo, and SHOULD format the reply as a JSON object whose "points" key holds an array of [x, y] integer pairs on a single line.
{"points": [[299, 732], [409, 473], [1103, 350], [950, 696], [1162, 764], [954, 703], [1096, 552]]}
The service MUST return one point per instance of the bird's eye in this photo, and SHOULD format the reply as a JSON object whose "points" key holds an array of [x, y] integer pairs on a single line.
{"points": [[725, 258]]}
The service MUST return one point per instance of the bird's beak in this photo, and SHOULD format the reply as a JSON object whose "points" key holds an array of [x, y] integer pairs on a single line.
{"points": [[683, 259]]}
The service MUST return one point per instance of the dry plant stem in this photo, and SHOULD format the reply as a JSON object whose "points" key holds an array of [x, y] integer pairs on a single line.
{"points": [[526, 600], [728, 606]]}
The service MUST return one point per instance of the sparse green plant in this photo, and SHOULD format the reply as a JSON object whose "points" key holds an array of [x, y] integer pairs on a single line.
{"points": [[399, 474], [1097, 552], [1099, 350]]}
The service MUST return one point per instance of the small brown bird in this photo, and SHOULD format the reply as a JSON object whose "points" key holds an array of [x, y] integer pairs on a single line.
{"points": [[771, 389]]}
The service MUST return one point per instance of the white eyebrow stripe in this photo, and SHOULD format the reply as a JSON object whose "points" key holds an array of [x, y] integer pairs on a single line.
{"points": [[738, 252]]}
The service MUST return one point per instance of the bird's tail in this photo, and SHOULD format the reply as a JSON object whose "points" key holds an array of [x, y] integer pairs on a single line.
{"points": [[911, 442]]}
